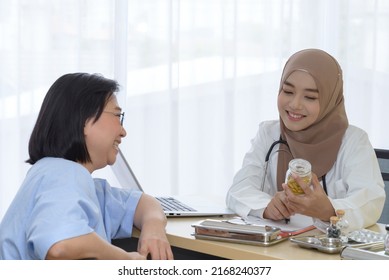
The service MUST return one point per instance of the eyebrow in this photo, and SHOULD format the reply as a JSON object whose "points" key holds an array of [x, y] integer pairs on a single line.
{"points": [[118, 108], [306, 89]]}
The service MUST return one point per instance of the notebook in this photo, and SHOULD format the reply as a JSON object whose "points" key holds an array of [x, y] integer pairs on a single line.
{"points": [[172, 205]]}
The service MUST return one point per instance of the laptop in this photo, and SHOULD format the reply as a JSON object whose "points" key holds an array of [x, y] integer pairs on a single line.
{"points": [[172, 205]]}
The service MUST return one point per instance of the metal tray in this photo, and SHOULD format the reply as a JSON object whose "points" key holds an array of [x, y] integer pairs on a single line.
{"points": [[373, 251], [225, 229], [265, 243], [334, 245], [321, 243]]}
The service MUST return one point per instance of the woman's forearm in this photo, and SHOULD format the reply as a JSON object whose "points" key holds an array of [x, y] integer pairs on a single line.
{"points": [[88, 246]]}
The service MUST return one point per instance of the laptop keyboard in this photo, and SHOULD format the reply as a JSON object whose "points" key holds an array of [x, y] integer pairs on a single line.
{"points": [[171, 204]]}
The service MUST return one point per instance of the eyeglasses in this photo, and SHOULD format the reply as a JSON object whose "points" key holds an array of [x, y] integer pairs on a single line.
{"points": [[120, 115]]}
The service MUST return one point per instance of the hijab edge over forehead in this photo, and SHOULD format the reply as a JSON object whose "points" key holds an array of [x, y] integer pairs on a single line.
{"points": [[320, 142]]}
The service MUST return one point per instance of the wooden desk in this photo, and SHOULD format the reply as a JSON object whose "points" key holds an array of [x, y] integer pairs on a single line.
{"points": [[179, 232]]}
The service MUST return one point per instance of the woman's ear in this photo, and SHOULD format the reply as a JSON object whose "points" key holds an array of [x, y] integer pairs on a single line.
{"points": [[87, 126]]}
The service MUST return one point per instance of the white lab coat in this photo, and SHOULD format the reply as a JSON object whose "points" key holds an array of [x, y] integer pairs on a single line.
{"points": [[354, 183]]}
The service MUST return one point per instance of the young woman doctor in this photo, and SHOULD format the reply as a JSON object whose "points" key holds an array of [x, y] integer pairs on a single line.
{"points": [[313, 126], [60, 211]]}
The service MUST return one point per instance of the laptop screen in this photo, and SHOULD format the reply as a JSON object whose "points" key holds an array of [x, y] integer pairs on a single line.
{"points": [[124, 174]]}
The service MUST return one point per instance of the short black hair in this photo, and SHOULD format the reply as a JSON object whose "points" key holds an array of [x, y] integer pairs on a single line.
{"points": [[71, 101]]}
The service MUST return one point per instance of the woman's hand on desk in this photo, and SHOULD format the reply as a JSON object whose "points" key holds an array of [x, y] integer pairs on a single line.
{"points": [[151, 220], [314, 202], [277, 208], [153, 242]]}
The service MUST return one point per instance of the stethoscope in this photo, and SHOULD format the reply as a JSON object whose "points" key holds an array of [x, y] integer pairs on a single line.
{"points": [[267, 157]]}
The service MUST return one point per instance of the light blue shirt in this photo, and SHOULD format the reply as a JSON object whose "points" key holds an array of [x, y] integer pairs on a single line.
{"points": [[58, 200]]}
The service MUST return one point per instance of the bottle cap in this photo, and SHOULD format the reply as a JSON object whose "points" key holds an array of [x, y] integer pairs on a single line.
{"points": [[340, 212], [300, 166], [334, 219]]}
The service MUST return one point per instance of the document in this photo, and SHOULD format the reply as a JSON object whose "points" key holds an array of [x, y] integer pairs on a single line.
{"points": [[297, 224]]}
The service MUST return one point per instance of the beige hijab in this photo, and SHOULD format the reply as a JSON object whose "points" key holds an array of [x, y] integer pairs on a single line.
{"points": [[320, 142]]}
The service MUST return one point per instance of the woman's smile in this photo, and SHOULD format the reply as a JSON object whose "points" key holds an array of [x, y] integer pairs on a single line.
{"points": [[294, 116]]}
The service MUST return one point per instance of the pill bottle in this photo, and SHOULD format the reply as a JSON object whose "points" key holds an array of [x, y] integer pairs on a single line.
{"points": [[386, 240], [301, 168], [333, 231]]}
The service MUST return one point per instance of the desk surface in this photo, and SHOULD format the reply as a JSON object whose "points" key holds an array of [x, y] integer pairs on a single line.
{"points": [[179, 232]]}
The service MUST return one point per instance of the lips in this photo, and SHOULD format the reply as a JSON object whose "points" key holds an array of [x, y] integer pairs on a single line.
{"points": [[294, 116], [116, 145]]}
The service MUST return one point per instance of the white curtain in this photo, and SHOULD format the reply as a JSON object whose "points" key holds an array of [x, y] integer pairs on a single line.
{"points": [[197, 76]]}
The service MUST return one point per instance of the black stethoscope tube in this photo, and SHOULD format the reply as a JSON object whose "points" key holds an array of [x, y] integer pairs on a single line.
{"points": [[280, 141]]}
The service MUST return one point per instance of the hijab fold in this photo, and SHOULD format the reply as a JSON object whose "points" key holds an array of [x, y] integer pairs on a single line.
{"points": [[320, 142]]}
